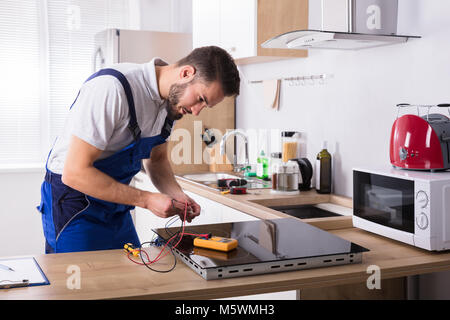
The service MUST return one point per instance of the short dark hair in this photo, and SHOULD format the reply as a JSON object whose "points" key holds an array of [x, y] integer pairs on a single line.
{"points": [[213, 63]]}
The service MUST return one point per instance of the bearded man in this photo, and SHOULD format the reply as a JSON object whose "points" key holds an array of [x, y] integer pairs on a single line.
{"points": [[119, 123]]}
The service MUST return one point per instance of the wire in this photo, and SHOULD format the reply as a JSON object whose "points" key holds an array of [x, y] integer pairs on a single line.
{"points": [[173, 236], [169, 223]]}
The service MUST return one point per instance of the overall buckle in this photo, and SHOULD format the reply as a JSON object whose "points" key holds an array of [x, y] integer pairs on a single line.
{"points": [[135, 131]]}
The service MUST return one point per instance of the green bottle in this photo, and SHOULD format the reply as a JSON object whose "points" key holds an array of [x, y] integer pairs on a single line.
{"points": [[323, 170], [262, 166]]}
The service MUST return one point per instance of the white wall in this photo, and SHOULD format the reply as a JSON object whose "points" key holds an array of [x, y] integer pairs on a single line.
{"points": [[354, 111], [20, 222]]}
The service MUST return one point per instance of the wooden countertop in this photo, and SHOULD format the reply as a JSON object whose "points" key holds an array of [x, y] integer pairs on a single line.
{"points": [[256, 203], [110, 275]]}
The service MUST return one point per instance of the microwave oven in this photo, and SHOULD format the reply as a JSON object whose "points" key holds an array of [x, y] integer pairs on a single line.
{"points": [[408, 206]]}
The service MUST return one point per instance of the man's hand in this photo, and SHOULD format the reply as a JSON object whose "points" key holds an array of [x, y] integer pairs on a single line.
{"points": [[160, 171], [162, 205], [193, 209], [165, 206]]}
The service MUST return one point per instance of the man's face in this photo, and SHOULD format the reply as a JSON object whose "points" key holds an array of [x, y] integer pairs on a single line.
{"points": [[191, 97]]}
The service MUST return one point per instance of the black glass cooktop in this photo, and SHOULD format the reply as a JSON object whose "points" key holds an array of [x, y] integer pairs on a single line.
{"points": [[307, 211], [264, 246]]}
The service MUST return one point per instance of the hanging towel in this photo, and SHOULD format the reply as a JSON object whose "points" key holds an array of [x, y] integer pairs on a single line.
{"points": [[272, 93]]}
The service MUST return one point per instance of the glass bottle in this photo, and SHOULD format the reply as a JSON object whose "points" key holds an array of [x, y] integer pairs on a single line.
{"points": [[323, 170], [262, 164]]}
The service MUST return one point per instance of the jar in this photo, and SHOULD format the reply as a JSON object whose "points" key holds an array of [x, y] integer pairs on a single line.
{"points": [[292, 175], [277, 170], [275, 157], [285, 177], [290, 141]]}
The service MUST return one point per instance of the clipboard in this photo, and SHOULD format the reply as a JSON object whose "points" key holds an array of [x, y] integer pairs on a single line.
{"points": [[21, 272]]}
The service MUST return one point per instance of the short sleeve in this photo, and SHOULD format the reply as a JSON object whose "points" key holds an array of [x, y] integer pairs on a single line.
{"points": [[98, 110]]}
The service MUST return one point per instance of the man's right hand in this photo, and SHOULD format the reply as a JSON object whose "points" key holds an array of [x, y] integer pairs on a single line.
{"points": [[163, 205]]}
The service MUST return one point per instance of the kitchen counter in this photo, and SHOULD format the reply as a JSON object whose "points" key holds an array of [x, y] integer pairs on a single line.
{"points": [[256, 203], [110, 275]]}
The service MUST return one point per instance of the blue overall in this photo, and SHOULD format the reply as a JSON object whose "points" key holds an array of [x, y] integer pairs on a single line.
{"points": [[73, 221]]}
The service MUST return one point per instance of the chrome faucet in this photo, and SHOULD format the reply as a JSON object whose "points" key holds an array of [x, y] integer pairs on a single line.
{"points": [[236, 167]]}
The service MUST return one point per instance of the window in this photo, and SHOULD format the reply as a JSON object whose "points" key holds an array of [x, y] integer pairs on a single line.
{"points": [[19, 83], [46, 51]]}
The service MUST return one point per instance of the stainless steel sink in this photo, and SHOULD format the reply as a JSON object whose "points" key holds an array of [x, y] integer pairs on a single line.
{"points": [[209, 179], [209, 176]]}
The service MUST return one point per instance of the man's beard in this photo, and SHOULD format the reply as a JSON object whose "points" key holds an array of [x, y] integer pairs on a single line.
{"points": [[175, 92]]}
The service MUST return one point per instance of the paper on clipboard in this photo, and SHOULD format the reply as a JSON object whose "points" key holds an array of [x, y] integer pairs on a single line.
{"points": [[26, 272]]}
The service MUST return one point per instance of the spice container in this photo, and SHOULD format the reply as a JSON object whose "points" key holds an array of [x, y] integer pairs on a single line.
{"points": [[290, 141], [285, 178], [277, 169], [292, 173], [275, 157]]}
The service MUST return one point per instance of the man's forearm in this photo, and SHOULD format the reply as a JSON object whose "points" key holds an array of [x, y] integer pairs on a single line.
{"points": [[162, 176], [97, 184]]}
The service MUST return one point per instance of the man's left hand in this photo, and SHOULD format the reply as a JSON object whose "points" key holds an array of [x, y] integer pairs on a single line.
{"points": [[193, 209]]}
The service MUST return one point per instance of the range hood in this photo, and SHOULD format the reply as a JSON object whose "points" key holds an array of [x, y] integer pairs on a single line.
{"points": [[317, 39], [345, 25]]}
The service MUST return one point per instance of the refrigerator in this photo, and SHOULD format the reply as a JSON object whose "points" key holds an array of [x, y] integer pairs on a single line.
{"points": [[138, 46]]}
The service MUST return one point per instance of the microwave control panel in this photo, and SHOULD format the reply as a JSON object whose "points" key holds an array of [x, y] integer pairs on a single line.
{"points": [[422, 199], [422, 208]]}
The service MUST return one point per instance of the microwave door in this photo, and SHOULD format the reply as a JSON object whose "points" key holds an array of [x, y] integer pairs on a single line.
{"points": [[384, 200]]}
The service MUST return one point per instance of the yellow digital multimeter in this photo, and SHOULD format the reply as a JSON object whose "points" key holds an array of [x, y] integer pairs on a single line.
{"points": [[216, 243]]}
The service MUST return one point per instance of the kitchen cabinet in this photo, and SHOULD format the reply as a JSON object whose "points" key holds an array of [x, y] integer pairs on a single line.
{"points": [[240, 26], [233, 215]]}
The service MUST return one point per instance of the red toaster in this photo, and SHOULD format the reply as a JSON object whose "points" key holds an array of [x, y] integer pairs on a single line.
{"points": [[421, 142]]}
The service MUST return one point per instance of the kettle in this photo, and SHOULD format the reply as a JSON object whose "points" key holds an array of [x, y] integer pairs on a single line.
{"points": [[305, 175]]}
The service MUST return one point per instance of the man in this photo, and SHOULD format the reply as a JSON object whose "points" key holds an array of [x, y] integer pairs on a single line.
{"points": [[119, 122]]}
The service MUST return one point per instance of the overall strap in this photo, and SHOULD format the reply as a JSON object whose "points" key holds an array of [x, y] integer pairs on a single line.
{"points": [[133, 124], [167, 128]]}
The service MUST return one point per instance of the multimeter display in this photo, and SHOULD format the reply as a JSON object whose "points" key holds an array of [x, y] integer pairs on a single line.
{"points": [[216, 243]]}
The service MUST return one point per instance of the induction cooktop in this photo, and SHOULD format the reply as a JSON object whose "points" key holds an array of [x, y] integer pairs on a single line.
{"points": [[265, 246], [307, 211]]}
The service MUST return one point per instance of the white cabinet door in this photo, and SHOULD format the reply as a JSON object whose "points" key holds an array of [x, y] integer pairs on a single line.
{"points": [[229, 24], [238, 27], [233, 215], [205, 23], [215, 212], [211, 211]]}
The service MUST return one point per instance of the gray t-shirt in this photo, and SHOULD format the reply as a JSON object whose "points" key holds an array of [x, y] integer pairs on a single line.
{"points": [[100, 115]]}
